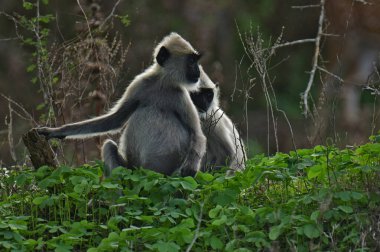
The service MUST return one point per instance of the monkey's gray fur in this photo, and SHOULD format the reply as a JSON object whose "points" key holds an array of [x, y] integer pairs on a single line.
{"points": [[163, 132], [224, 145]]}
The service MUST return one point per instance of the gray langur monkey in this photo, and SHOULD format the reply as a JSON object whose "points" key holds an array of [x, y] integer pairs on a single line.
{"points": [[224, 145], [162, 129]]}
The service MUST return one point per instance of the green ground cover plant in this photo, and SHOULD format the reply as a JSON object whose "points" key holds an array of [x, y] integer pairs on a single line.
{"points": [[308, 200]]}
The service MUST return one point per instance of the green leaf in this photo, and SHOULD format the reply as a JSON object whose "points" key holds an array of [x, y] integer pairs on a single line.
{"points": [[55, 80], [314, 215], [189, 183], [346, 209], [205, 177], [124, 19], [21, 179], [81, 188], [109, 185], [63, 248], [41, 106], [214, 212], [38, 200], [27, 5], [275, 232], [31, 68], [30, 243], [187, 223], [345, 196], [46, 19], [314, 171], [166, 246], [356, 195], [225, 197], [15, 226], [6, 245], [311, 231], [113, 236], [216, 243], [218, 222]]}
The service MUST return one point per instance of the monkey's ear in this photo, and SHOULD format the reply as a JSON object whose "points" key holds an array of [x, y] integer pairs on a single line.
{"points": [[199, 56], [162, 55]]}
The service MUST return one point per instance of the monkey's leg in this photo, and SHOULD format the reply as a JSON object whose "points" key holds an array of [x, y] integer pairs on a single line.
{"points": [[111, 157]]}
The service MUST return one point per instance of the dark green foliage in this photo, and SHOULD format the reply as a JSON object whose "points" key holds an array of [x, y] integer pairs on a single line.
{"points": [[316, 199]]}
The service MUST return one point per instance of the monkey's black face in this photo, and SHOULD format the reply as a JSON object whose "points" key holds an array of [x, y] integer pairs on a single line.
{"points": [[192, 67], [192, 72], [203, 99]]}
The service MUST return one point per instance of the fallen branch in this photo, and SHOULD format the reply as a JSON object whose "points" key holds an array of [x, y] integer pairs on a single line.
{"points": [[39, 149]]}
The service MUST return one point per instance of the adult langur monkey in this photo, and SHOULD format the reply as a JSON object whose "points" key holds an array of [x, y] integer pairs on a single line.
{"points": [[162, 128], [224, 145]]}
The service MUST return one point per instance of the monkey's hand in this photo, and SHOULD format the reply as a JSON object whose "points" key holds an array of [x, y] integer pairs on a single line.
{"points": [[188, 172], [50, 132], [190, 165]]}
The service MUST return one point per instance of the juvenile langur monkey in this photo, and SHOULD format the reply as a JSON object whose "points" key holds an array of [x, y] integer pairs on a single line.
{"points": [[162, 128], [224, 145]]}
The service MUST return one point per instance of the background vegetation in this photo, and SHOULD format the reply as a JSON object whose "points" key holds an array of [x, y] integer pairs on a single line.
{"points": [[63, 70]]}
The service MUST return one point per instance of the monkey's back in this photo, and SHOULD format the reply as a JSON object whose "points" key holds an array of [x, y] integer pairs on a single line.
{"points": [[224, 146], [154, 138]]}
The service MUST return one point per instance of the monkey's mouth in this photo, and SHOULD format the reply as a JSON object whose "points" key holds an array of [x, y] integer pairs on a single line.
{"points": [[203, 115], [202, 110], [193, 79]]}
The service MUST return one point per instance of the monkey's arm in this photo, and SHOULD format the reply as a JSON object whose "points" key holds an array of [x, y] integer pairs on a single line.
{"points": [[112, 121], [197, 146]]}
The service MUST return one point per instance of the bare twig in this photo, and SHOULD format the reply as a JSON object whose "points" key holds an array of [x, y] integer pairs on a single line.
{"points": [[301, 7], [330, 73], [15, 22], [260, 58], [247, 86], [238, 144], [291, 43], [306, 94], [10, 132], [373, 91], [330, 35], [8, 39], [40, 72], [27, 115], [85, 16], [363, 2], [111, 14], [196, 234], [260, 61]]}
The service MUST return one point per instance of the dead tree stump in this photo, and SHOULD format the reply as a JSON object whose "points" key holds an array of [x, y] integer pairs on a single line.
{"points": [[39, 149]]}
